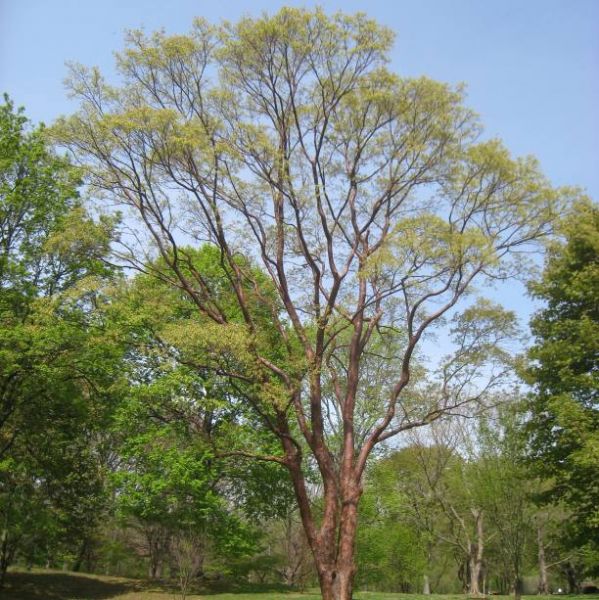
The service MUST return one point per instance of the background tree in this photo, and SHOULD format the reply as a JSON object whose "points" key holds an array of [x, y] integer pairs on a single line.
{"points": [[564, 421], [553, 550], [168, 484], [58, 375], [179, 482], [40, 219], [453, 473], [393, 550], [508, 488], [363, 197]]}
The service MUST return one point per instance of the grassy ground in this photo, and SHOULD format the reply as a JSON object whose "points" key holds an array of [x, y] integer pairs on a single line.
{"points": [[54, 585]]}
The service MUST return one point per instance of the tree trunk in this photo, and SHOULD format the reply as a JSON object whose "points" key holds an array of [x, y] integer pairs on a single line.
{"points": [[426, 588], [517, 587], [543, 586], [475, 568], [332, 543], [155, 569], [570, 573], [336, 576], [5, 556], [336, 584], [158, 541], [80, 556], [8, 547], [476, 555]]}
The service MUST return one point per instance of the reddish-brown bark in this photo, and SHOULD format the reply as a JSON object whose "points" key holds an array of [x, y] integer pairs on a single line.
{"points": [[344, 155]]}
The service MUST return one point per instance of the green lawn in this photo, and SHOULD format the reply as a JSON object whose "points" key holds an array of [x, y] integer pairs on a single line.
{"points": [[57, 585]]}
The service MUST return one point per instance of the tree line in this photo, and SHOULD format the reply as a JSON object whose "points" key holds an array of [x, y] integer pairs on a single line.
{"points": [[215, 363]]}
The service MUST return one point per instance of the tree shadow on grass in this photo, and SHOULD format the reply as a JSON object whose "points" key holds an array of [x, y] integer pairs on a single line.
{"points": [[62, 586], [49, 585]]}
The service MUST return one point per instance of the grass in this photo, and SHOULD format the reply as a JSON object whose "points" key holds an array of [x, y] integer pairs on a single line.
{"points": [[58, 585]]}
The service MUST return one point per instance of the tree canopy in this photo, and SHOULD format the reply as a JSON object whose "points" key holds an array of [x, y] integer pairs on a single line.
{"points": [[365, 199], [57, 369], [564, 371]]}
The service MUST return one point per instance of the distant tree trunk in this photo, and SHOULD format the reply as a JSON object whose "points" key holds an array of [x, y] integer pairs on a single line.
{"points": [[426, 588], [570, 573], [464, 574], [543, 586], [518, 587], [5, 555], [155, 568], [158, 540], [80, 555], [476, 555], [8, 546], [475, 568], [296, 551]]}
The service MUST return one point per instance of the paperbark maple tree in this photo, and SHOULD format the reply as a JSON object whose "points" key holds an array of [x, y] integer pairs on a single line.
{"points": [[363, 197]]}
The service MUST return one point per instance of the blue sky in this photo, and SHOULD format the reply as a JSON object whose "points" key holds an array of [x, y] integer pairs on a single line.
{"points": [[531, 66]]}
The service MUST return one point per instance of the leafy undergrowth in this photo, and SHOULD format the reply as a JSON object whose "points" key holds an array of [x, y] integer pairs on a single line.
{"points": [[58, 585]]}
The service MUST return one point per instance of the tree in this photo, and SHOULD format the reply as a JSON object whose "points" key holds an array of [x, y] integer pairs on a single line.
{"points": [[170, 488], [56, 369], [508, 488], [175, 481], [363, 198], [393, 550], [48, 247], [452, 471], [564, 422]]}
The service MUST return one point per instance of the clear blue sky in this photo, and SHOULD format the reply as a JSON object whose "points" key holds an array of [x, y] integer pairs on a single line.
{"points": [[531, 66]]}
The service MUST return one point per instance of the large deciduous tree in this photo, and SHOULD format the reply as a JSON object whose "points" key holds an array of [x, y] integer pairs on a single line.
{"points": [[564, 409], [57, 370], [48, 246], [362, 196], [176, 423]]}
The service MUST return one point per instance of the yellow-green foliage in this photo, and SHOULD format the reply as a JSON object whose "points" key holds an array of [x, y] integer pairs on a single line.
{"points": [[286, 139], [429, 239]]}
